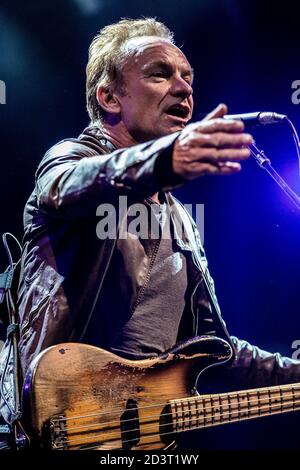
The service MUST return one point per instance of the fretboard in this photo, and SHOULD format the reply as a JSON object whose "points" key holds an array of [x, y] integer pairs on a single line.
{"points": [[212, 410]]}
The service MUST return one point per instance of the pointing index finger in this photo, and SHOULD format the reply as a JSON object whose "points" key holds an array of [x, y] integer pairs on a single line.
{"points": [[219, 125], [219, 111]]}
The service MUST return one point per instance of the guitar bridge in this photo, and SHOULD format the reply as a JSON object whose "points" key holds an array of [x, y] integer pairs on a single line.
{"points": [[57, 433]]}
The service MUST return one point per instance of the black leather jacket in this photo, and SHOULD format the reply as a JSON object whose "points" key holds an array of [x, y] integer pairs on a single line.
{"points": [[64, 263]]}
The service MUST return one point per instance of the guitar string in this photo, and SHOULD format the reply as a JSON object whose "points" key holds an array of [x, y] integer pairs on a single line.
{"points": [[291, 403], [236, 419], [208, 409], [192, 399], [204, 417], [183, 401]]}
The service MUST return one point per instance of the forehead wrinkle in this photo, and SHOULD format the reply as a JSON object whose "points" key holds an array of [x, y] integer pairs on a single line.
{"points": [[142, 42], [161, 63], [137, 51], [135, 47]]}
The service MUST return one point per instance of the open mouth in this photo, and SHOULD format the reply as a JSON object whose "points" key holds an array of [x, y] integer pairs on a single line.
{"points": [[178, 111]]}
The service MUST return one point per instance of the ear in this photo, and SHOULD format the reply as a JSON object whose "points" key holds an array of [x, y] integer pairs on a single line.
{"points": [[108, 100]]}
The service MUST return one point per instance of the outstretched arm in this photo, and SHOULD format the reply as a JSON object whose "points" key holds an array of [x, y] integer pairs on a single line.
{"points": [[254, 367]]}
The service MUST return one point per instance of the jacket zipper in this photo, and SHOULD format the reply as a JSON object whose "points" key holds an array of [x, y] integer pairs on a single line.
{"points": [[195, 316], [32, 314]]}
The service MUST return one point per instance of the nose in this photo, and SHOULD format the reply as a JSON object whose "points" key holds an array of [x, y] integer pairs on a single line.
{"points": [[180, 87]]}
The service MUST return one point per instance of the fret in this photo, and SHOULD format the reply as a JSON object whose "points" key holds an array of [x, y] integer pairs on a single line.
{"points": [[182, 416], [234, 405], [276, 404], [249, 404], [209, 411], [287, 398], [176, 416], [197, 413], [212, 410], [254, 403], [225, 408], [238, 405], [258, 403], [281, 399], [270, 401], [204, 413], [293, 396], [227, 415], [264, 403], [237, 408], [215, 399], [190, 415], [243, 403], [229, 407], [221, 409]]}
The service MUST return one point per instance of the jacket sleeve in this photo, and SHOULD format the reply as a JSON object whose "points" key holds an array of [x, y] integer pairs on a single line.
{"points": [[251, 366], [72, 179], [254, 367]]}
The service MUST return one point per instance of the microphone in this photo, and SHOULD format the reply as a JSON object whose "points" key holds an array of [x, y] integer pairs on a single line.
{"points": [[257, 118]]}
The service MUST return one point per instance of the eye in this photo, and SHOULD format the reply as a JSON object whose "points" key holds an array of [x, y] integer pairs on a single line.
{"points": [[187, 80], [159, 74]]}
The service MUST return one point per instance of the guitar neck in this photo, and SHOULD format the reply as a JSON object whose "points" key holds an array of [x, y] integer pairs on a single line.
{"points": [[212, 410]]}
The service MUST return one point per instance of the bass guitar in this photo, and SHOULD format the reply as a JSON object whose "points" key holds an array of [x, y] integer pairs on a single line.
{"points": [[80, 397]]}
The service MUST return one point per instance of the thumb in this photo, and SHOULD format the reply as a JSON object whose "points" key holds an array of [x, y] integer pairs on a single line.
{"points": [[218, 112]]}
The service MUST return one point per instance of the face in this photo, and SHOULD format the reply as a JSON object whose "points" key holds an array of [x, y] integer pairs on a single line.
{"points": [[157, 97]]}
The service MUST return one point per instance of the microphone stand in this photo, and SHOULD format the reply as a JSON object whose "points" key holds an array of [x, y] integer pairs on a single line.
{"points": [[265, 163]]}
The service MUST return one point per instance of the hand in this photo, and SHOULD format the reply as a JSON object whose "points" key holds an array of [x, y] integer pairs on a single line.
{"points": [[211, 146]]}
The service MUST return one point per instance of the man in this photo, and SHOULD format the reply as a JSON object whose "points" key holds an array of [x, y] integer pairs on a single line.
{"points": [[135, 296]]}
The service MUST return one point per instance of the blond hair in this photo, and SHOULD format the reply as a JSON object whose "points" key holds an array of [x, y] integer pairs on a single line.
{"points": [[107, 56]]}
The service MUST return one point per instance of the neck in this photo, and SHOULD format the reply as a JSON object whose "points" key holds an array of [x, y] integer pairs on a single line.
{"points": [[117, 133], [212, 410]]}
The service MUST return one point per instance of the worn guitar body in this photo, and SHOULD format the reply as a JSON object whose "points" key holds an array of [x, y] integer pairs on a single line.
{"points": [[78, 396]]}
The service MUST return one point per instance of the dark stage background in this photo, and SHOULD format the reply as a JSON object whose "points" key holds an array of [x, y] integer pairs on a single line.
{"points": [[245, 53]]}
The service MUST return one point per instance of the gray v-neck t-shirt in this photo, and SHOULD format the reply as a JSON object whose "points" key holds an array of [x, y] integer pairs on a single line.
{"points": [[154, 324]]}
